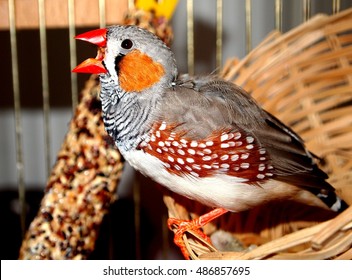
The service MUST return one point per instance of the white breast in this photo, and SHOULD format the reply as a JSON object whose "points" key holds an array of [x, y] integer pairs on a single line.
{"points": [[229, 192]]}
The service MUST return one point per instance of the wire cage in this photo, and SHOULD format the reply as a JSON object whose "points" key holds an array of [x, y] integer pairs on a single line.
{"points": [[42, 97]]}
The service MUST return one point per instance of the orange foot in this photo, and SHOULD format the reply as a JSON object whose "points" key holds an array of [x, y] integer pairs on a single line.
{"points": [[193, 226]]}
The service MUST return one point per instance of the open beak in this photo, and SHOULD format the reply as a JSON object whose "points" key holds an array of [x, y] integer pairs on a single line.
{"points": [[93, 65]]}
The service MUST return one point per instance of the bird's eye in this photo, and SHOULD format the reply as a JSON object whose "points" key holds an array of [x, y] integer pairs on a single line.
{"points": [[127, 44]]}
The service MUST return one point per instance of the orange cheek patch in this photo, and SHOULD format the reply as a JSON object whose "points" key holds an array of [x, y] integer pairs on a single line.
{"points": [[138, 71]]}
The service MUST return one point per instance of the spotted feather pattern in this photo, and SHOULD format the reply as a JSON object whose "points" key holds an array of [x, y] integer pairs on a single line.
{"points": [[228, 152]]}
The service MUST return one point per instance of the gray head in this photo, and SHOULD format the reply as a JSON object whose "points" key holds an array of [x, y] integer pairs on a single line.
{"points": [[135, 68], [137, 60]]}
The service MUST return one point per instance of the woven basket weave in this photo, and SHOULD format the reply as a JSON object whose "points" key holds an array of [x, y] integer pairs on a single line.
{"points": [[304, 77]]}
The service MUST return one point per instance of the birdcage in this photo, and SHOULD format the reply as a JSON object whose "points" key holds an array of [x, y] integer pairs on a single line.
{"points": [[292, 56]]}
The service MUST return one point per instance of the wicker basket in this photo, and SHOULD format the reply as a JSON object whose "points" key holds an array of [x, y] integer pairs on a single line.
{"points": [[303, 77]]}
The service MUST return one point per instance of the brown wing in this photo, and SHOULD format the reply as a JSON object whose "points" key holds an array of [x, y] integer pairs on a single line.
{"points": [[202, 106]]}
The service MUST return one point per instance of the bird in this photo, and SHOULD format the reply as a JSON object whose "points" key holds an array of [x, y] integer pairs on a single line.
{"points": [[199, 136]]}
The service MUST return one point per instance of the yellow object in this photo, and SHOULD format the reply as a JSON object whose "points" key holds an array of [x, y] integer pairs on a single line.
{"points": [[162, 8]]}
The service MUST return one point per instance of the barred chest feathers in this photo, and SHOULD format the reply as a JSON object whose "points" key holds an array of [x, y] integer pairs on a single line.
{"points": [[126, 119]]}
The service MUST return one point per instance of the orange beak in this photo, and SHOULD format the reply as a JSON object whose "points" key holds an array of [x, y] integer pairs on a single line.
{"points": [[93, 65]]}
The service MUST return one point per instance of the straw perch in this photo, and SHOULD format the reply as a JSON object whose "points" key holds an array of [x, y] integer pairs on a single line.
{"points": [[303, 77]]}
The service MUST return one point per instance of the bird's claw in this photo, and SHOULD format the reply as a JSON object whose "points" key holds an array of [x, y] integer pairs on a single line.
{"points": [[180, 227]]}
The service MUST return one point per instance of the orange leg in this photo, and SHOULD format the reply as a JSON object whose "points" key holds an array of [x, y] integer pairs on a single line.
{"points": [[194, 225]]}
